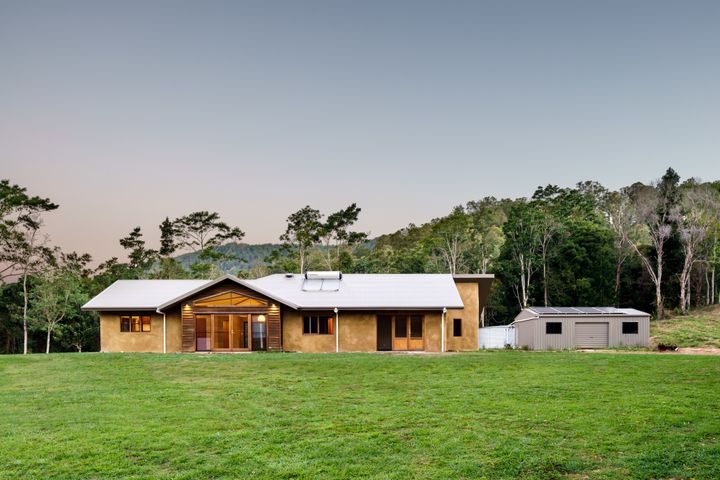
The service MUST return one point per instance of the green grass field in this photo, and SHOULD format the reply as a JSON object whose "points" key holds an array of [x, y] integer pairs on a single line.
{"points": [[701, 328], [478, 415]]}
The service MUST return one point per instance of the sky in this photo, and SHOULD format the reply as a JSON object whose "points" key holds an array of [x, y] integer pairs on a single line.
{"points": [[127, 112]]}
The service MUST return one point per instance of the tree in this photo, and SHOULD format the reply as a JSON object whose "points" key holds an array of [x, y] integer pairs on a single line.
{"points": [[167, 238], [616, 208], [548, 227], [20, 219], [451, 239], [30, 256], [699, 209], [57, 294], [168, 267], [141, 258], [522, 233], [654, 210], [203, 232], [302, 232], [335, 230], [487, 217]]}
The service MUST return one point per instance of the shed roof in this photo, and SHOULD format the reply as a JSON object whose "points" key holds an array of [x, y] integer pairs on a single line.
{"points": [[356, 291], [531, 313]]}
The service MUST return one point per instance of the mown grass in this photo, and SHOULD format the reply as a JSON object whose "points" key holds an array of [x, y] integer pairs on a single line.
{"points": [[478, 415], [701, 328]]}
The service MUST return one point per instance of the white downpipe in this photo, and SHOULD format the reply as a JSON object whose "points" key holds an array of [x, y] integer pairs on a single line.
{"points": [[442, 336], [164, 331], [337, 331]]}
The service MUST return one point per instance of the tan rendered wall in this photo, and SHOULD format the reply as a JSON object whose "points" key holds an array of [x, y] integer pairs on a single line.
{"points": [[470, 316], [358, 333], [113, 340]]}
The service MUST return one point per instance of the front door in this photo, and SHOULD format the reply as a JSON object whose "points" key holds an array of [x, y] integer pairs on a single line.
{"points": [[408, 332], [384, 332]]}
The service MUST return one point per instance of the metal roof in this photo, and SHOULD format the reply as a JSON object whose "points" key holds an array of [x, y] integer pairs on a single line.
{"points": [[355, 291], [367, 291], [576, 311], [140, 294]]}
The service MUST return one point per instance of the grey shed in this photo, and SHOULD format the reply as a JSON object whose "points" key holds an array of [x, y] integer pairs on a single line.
{"points": [[560, 328]]}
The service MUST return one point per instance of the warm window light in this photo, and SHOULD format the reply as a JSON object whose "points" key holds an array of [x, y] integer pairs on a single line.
{"points": [[261, 318]]}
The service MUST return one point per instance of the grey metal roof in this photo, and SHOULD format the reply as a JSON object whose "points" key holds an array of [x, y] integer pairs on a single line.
{"points": [[367, 291], [356, 291], [140, 294], [577, 311]]}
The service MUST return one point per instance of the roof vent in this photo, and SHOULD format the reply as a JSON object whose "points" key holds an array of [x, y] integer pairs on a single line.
{"points": [[322, 281], [289, 275]]}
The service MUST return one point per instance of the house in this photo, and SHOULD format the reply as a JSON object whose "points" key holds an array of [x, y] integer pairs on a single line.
{"points": [[312, 312], [559, 328]]}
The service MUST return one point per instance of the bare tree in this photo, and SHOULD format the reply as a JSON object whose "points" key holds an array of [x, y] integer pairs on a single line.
{"points": [[523, 235], [652, 215], [616, 208], [29, 257], [699, 208]]}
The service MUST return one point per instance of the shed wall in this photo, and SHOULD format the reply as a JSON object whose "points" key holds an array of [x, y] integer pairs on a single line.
{"points": [[531, 333]]}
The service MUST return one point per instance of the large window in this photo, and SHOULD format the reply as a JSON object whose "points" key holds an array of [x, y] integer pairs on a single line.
{"points": [[553, 328], [629, 328], [135, 323], [318, 324], [457, 327]]}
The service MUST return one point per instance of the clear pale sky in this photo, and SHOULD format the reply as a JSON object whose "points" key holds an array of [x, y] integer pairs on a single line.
{"points": [[126, 112]]}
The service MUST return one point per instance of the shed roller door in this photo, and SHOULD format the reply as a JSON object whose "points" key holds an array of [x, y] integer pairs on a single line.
{"points": [[591, 335]]}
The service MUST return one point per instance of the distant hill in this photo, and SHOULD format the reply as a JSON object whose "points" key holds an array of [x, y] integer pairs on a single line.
{"points": [[248, 256]]}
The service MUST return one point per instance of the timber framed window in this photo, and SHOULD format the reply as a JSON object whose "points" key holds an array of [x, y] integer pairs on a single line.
{"points": [[135, 323], [318, 325], [553, 328], [629, 328]]}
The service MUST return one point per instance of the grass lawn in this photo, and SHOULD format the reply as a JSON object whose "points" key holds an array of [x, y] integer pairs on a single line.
{"points": [[699, 329], [477, 415]]}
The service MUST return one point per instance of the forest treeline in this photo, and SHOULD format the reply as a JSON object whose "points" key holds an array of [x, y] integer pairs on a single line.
{"points": [[649, 246]]}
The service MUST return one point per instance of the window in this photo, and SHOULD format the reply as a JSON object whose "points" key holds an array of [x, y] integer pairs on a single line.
{"points": [[416, 326], [135, 323], [400, 327], [629, 328], [457, 327], [553, 328], [318, 324]]}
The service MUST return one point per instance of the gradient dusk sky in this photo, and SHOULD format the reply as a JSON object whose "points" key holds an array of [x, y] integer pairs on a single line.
{"points": [[129, 111]]}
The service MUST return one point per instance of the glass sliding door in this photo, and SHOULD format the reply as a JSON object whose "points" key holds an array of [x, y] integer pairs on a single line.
{"points": [[202, 333], [230, 332], [221, 332], [239, 332]]}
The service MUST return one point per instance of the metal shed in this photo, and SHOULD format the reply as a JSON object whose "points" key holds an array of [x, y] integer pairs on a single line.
{"points": [[559, 328]]}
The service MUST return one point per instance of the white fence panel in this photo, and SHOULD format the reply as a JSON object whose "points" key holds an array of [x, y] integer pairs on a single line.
{"points": [[496, 337]]}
